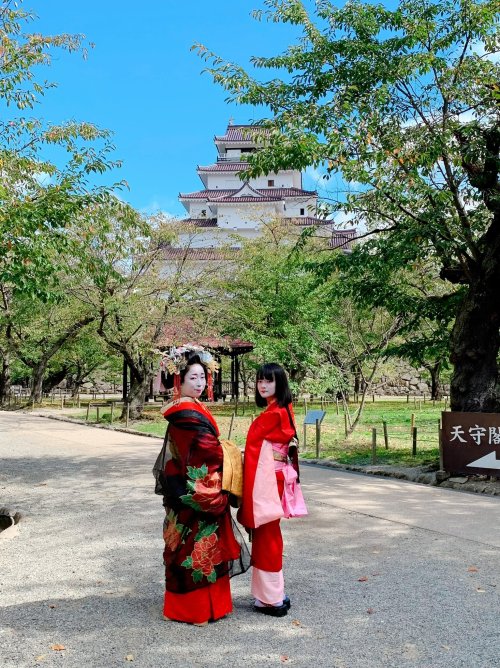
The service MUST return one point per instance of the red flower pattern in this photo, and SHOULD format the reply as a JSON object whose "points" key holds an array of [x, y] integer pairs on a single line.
{"points": [[171, 536], [206, 554], [207, 492]]}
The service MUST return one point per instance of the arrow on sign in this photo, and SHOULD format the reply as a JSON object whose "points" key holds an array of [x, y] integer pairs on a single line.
{"points": [[489, 461]]}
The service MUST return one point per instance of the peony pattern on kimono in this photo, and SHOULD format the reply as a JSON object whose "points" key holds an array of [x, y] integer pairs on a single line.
{"points": [[205, 555], [188, 475], [205, 490], [173, 531]]}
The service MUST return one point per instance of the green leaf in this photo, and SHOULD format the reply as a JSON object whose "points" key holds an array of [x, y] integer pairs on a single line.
{"points": [[212, 577], [187, 500], [197, 576], [171, 516], [197, 473], [188, 562], [205, 530]]}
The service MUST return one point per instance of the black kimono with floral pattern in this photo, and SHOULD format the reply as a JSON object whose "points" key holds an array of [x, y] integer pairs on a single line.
{"points": [[200, 544]]}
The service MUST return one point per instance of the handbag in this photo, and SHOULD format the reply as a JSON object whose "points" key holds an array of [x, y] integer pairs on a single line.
{"points": [[232, 472], [293, 446]]}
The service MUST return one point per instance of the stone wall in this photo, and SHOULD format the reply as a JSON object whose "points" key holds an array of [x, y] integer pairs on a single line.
{"points": [[403, 380]]}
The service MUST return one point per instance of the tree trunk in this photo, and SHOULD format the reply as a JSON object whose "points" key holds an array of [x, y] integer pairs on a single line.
{"points": [[40, 368], [139, 388], [366, 384], [357, 378], [5, 378], [475, 342], [435, 371], [54, 379], [37, 379]]}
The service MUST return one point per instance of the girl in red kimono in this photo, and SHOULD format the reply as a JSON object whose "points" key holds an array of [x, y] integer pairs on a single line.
{"points": [[201, 551], [271, 487]]}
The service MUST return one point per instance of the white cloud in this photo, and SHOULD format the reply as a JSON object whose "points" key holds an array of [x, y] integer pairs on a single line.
{"points": [[467, 116], [343, 219], [315, 175], [155, 208], [479, 50], [44, 179]]}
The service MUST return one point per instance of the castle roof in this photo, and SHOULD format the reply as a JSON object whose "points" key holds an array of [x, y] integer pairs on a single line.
{"points": [[343, 239], [201, 222], [225, 166], [206, 194], [245, 198], [184, 330], [174, 253], [241, 134], [273, 193], [307, 221]]}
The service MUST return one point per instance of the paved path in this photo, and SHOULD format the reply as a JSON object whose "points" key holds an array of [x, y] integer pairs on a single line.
{"points": [[382, 573]]}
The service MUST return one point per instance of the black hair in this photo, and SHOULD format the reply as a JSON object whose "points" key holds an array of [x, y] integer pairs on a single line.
{"points": [[272, 371], [192, 359]]}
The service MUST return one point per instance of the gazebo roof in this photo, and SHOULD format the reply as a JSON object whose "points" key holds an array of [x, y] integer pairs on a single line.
{"points": [[185, 332]]}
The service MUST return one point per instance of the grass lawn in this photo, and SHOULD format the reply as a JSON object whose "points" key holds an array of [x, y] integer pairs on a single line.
{"points": [[355, 450]]}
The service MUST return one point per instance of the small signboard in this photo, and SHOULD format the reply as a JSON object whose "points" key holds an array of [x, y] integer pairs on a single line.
{"points": [[471, 443], [312, 416]]}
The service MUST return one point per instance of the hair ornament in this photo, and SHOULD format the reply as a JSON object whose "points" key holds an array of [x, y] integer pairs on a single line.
{"points": [[175, 359]]}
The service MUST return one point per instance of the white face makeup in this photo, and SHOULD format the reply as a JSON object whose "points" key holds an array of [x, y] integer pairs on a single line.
{"points": [[194, 382], [266, 388]]}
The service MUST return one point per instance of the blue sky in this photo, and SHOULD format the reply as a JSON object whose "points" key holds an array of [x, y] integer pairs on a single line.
{"points": [[142, 82]]}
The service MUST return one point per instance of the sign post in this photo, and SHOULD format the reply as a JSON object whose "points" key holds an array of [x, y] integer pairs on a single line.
{"points": [[316, 418], [470, 443]]}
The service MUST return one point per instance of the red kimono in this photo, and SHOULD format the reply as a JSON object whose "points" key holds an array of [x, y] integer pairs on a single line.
{"points": [[267, 474], [201, 551]]}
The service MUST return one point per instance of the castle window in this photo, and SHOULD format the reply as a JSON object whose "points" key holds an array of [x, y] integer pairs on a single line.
{"points": [[270, 183], [302, 212]]}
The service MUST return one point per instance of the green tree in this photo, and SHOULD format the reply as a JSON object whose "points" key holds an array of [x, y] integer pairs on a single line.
{"points": [[85, 359], [368, 334], [102, 246], [135, 293], [414, 294], [39, 331], [405, 104], [46, 172], [324, 338], [45, 168], [274, 302]]}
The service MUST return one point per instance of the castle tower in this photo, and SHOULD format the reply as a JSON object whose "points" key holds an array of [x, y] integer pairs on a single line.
{"points": [[227, 206]]}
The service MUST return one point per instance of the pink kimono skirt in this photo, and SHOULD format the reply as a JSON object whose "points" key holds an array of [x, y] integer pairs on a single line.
{"points": [[268, 585]]}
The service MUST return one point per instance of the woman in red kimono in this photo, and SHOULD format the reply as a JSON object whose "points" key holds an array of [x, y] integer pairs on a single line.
{"points": [[201, 551], [270, 487]]}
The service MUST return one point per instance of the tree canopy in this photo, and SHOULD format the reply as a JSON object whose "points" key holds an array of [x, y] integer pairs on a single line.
{"points": [[404, 104], [45, 168]]}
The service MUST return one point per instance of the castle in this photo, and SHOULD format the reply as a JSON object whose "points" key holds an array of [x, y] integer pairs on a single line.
{"points": [[227, 209]]}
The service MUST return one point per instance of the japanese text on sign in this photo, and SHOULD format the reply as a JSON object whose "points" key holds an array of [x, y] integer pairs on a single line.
{"points": [[475, 434]]}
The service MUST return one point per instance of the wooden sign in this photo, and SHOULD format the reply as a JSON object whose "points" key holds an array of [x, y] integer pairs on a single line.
{"points": [[471, 443]]}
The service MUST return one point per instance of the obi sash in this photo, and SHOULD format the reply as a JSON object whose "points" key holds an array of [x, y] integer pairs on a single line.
{"points": [[292, 500]]}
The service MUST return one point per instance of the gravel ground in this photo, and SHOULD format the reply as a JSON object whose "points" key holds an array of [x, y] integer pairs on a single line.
{"points": [[382, 573]]}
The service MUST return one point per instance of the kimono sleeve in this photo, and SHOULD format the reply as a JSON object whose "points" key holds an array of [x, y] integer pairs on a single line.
{"points": [[261, 427], [204, 476]]}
